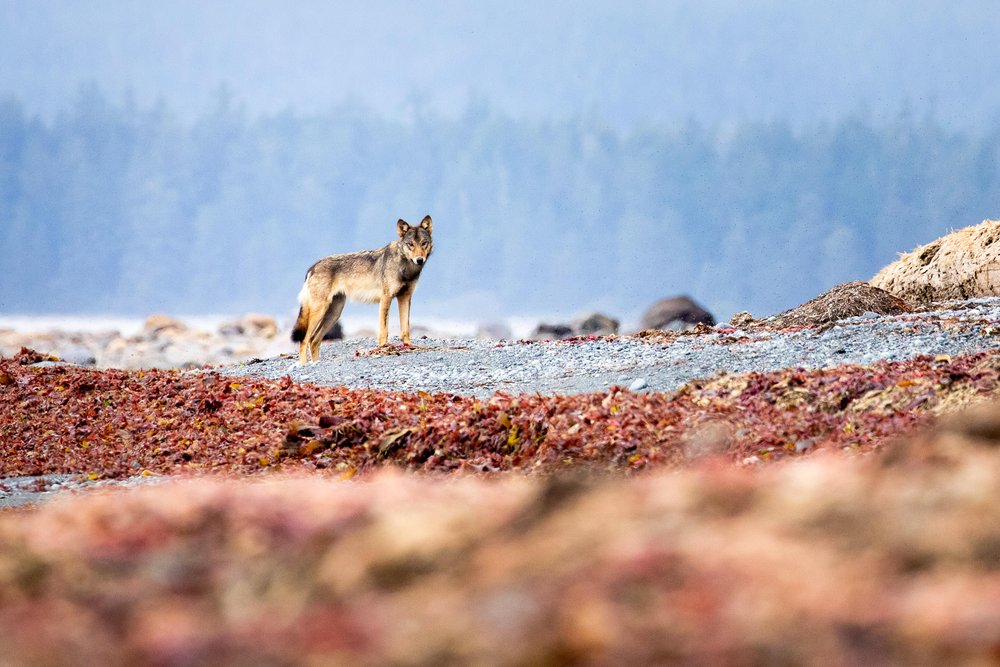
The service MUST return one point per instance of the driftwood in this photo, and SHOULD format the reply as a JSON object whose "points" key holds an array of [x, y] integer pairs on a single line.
{"points": [[961, 265], [845, 300]]}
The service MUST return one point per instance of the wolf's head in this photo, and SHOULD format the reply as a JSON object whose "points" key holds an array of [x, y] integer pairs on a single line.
{"points": [[416, 241]]}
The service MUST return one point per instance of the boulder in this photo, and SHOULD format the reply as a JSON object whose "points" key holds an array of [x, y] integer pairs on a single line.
{"points": [[263, 326], [675, 312], [159, 324], [551, 332], [77, 355], [588, 324], [230, 329], [961, 265], [259, 325], [594, 324], [336, 332]]}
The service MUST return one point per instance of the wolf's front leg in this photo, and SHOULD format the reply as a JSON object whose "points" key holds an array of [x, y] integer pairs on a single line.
{"points": [[403, 300], [383, 319]]}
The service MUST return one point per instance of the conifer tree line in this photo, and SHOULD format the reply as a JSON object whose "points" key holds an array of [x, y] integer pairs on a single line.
{"points": [[113, 208]]}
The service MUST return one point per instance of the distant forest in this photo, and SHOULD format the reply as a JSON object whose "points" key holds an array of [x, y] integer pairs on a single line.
{"points": [[110, 207]]}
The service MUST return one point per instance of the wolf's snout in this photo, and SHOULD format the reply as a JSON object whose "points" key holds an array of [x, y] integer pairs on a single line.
{"points": [[419, 261]]}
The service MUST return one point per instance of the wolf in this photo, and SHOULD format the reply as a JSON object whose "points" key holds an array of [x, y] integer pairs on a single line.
{"points": [[368, 276]]}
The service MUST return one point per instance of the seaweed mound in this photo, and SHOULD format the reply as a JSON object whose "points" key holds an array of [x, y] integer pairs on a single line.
{"points": [[844, 300], [861, 560], [961, 265]]}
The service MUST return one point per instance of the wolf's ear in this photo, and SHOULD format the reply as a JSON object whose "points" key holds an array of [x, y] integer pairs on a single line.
{"points": [[402, 227], [426, 223]]}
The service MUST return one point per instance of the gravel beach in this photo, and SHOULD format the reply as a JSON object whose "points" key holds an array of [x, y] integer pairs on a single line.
{"points": [[480, 368]]}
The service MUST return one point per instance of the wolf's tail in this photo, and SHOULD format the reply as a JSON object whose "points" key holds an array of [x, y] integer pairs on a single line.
{"points": [[299, 330]]}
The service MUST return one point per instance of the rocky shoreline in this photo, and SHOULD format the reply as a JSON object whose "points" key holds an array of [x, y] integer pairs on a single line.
{"points": [[162, 342], [654, 362], [166, 342], [287, 519]]}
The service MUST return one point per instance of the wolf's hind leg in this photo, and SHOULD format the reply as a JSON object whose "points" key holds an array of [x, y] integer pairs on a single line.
{"points": [[305, 315], [314, 336], [330, 318]]}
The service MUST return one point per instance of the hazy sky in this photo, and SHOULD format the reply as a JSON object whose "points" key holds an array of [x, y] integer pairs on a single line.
{"points": [[625, 65], [627, 62]]}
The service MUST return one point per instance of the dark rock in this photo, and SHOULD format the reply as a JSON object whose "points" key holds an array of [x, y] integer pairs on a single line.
{"points": [[336, 332], [678, 312], [594, 324], [551, 332], [231, 329]]}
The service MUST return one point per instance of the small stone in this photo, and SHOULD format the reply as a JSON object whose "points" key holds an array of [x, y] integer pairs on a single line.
{"points": [[78, 356], [637, 384]]}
